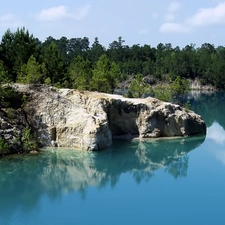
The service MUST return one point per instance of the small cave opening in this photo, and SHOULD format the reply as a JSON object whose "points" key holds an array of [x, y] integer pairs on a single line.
{"points": [[122, 121], [124, 132]]}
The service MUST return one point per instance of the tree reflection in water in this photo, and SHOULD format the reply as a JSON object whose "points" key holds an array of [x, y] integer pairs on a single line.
{"points": [[24, 179], [209, 106]]}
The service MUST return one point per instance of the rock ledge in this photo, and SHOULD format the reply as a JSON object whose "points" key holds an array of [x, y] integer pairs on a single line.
{"points": [[90, 120]]}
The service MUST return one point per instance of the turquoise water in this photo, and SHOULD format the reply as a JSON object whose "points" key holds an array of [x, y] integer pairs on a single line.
{"points": [[180, 181]]}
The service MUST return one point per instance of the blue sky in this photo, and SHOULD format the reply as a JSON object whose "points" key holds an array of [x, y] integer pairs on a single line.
{"points": [[138, 21]]}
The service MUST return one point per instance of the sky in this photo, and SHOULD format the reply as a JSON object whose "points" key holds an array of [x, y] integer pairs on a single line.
{"points": [[179, 22]]}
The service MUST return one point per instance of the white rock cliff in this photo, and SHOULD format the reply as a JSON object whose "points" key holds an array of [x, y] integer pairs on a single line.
{"points": [[90, 120]]}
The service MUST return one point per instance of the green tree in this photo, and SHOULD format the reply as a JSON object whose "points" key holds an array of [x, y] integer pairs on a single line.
{"points": [[96, 51], [4, 76], [174, 91], [31, 72], [80, 73], [105, 75], [206, 55], [15, 50], [138, 87], [53, 63], [179, 87], [78, 47], [163, 93], [218, 69], [63, 46], [115, 50]]}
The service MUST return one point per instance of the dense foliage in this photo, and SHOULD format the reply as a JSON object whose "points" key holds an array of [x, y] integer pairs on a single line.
{"points": [[75, 63]]}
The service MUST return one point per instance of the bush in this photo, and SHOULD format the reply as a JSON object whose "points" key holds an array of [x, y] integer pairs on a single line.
{"points": [[9, 97], [188, 105], [180, 87], [11, 113], [4, 147], [163, 93], [138, 88], [28, 140]]}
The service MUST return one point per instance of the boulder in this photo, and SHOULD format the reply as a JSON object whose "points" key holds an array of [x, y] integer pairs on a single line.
{"points": [[90, 120]]}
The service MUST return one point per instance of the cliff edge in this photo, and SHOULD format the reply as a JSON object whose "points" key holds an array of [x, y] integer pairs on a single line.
{"points": [[90, 120]]}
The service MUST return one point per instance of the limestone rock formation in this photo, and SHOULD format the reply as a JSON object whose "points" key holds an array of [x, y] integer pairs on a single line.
{"points": [[90, 120]]}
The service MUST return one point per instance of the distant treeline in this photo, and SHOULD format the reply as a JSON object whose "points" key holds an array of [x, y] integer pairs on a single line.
{"points": [[76, 63]]}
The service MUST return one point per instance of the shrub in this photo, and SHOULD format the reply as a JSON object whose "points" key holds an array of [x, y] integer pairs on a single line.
{"points": [[11, 113], [163, 93], [188, 105], [28, 140], [4, 147]]}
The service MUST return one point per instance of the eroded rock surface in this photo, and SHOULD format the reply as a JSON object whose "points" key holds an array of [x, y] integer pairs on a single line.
{"points": [[90, 120]]}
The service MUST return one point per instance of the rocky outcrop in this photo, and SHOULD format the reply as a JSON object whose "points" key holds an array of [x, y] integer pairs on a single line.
{"points": [[11, 129], [90, 120], [197, 85]]}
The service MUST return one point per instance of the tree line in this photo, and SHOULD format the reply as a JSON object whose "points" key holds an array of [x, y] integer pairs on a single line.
{"points": [[76, 63]]}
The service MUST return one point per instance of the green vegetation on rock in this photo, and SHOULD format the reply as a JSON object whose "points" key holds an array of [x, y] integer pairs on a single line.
{"points": [[4, 147], [28, 140], [16, 136]]}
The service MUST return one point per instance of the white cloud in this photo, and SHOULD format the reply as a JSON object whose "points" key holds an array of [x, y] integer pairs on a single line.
{"points": [[203, 17], [174, 7], [208, 16], [174, 28], [54, 13], [172, 11], [220, 155], [61, 12], [216, 133]]}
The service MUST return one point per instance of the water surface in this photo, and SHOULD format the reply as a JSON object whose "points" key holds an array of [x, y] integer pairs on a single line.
{"points": [[180, 181]]}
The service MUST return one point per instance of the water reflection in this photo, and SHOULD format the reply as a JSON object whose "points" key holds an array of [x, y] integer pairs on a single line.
{"points": [[24, 179], [216, 133], [216, 141], [210, 106]]}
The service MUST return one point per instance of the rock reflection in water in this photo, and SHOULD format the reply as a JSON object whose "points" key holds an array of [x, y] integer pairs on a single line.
{"points": [[24, 179]]}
